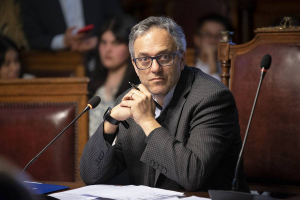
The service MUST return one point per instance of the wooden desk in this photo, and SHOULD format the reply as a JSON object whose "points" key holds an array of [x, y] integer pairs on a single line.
{"points": [[197, 194]]}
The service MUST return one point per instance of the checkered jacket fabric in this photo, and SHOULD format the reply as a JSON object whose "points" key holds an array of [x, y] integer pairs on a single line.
{"points": [[196, 148]]}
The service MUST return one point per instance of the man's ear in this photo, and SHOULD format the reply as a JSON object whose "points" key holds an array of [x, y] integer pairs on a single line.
{"points": [[135, 68], [182, 60]]}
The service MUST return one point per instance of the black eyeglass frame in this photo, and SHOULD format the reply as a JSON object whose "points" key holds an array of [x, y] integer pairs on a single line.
{"points": [[155, 57]]}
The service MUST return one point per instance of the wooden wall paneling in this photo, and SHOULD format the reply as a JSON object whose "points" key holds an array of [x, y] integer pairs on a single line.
{"points": [[53, 63]]}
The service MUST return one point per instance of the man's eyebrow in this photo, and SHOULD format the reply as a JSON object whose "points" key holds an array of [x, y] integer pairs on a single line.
{"points": [[164, 51], [159, 53], [142, 55]]}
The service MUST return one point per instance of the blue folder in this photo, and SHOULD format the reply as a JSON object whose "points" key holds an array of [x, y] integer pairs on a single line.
{"points": [[42, 188]]}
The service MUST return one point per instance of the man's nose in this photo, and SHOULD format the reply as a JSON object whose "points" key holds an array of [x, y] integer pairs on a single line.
{"points": [[155, 66]]}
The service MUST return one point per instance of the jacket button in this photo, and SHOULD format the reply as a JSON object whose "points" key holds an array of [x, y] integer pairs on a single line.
{"points": [[164, 170], [97, 162], [152, 162], [159, 168]]}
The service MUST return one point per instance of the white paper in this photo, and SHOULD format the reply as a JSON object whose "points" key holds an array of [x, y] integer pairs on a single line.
{"points": [[117, 192]]}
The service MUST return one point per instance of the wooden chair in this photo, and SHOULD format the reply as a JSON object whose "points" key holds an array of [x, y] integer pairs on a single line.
{"points": [[32, 113], [190, 57], [53, 63], [272, 151]]}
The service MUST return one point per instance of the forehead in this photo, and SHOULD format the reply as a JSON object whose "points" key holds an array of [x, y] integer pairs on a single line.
{"points": [[108, 35], [212, 26], [11, 53], [154, 41]]}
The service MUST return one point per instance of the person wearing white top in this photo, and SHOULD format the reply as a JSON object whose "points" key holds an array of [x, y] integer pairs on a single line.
{"points": [[206, 40]]}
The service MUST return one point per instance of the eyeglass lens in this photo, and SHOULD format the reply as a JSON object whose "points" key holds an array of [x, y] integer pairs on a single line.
{"points": [[163, 60]]}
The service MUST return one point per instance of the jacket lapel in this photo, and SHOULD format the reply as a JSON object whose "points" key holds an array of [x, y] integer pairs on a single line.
{"points": [[175, 107], [174, 110]]}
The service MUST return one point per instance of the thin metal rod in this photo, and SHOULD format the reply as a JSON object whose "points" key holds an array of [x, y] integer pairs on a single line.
{"points": [[38, 155], [235, 185]]}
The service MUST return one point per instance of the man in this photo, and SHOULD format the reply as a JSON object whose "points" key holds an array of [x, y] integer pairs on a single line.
{"points": [[191, 144], [206, 40]]}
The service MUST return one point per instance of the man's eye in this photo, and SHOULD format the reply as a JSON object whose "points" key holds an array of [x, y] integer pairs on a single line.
{"points": [[145, 59], [165, 56]]}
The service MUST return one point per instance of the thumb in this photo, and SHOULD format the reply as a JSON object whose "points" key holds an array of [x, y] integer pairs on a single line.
{"points": [[72, 28]]}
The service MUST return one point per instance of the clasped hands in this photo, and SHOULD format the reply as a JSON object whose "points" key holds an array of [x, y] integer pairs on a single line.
{"points": [[139, 106]]}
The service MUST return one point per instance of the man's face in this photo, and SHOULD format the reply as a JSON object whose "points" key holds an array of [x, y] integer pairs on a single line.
{"points": [[159, 80]]}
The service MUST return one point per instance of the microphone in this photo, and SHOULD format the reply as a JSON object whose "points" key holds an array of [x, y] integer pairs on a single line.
{"points": [[92, 103], [235, 194], [265, 64]]}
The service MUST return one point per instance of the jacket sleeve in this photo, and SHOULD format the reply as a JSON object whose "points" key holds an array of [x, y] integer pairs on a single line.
{"points": [[213, 128], [32, 26], [100, 161]]}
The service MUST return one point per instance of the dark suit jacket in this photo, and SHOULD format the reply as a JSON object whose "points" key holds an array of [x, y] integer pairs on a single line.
{"points": [[42, 20], [195, 149]]}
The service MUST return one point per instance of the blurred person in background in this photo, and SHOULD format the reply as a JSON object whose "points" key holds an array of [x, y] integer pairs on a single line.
{"points": [[10, 66], [53, 24], [11, 23], [11, 183], [206, 40], [116, 70]]}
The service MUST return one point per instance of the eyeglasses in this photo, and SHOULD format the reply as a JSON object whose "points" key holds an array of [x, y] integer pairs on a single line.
{"points": [[163, 60]]}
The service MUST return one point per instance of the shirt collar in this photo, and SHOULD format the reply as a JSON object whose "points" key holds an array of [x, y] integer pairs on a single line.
{"points": [[167, 101]]}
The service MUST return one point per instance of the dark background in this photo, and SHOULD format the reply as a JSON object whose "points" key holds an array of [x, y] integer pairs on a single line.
{"points": [[245, 15]]}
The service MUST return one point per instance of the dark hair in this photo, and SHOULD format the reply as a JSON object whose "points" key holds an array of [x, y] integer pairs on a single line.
{"points": [[5, 45], [120, 26], [214, 18]]}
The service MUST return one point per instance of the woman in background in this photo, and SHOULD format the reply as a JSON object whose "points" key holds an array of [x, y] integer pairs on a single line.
{"points": [[117, 69], [206, 41], [10, 67]]}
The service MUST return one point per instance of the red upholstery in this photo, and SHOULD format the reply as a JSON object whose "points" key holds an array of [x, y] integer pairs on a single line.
{"points": [[26, 128], [272, 152]]}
